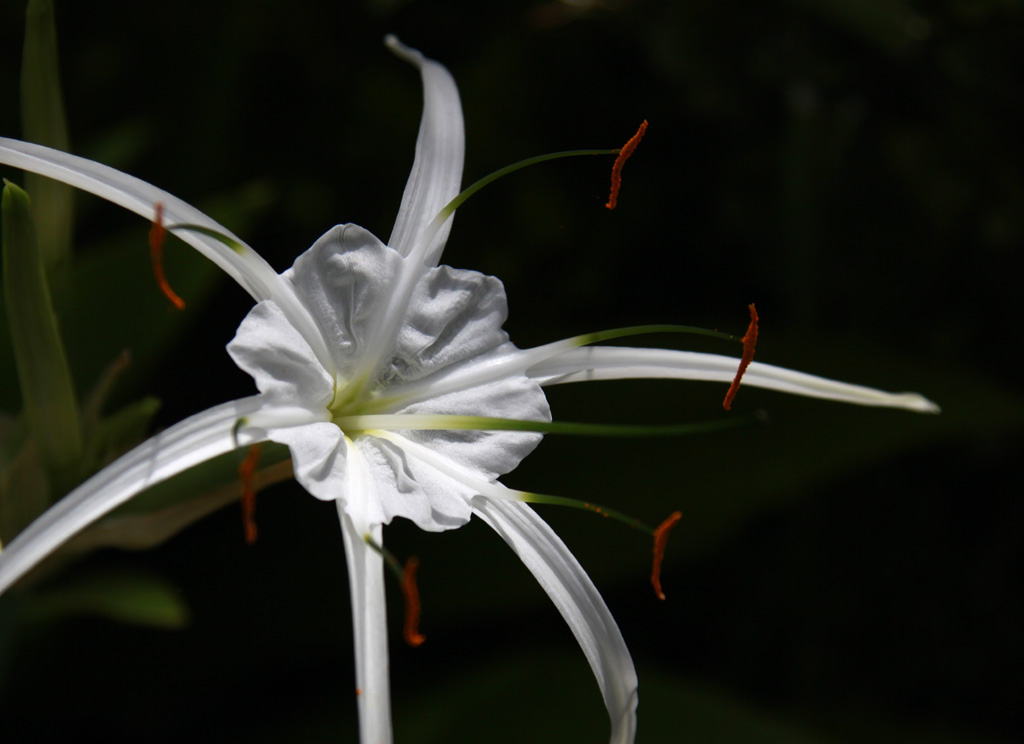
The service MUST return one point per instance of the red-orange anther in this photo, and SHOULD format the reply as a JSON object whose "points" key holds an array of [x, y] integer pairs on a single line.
{"points": [[157, 233], [624, 153], [246, 471], [749, 344], [660, 539], [411, 594]]}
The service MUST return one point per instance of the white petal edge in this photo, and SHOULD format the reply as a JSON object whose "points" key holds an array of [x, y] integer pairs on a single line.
{"points": [[188, 443], [369, 613], [436, 173], [576, 597], [245, 266], [620, 363]]}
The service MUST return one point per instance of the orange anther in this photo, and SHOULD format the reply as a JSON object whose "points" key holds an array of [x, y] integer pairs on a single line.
{"points": [[157, 233], [624, 153], [246, 471], [749, 343], [660, 539], [411, 594]]}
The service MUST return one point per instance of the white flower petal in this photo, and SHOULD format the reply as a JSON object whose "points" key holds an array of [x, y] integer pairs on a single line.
{"points": [[453, 315], [491, 453], [345, 281], [445, 318], [318, 457], [456, 316], [194, 440], [575, 596], [618, 363], [246, 267], [440, 150], [460, 478], [369, 629], [409, 489], [268, 347]]}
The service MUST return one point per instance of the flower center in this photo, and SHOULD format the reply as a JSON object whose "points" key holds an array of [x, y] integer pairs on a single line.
{"points": [[358, 397]]}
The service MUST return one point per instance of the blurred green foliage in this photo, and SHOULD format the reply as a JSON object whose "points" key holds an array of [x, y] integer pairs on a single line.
{"points": [[852, 166]]}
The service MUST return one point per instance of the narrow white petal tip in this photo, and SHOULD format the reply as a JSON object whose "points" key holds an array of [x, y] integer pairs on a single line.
{"points": [[915, 402], [401, 50]]}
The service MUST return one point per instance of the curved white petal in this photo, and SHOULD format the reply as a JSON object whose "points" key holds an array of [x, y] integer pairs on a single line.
{"points": [[458, 477], [408, 489], [435, 318], [244, 265], [369, 619], [453, 315], [318, 457], [490, 453], [575, 596], [440, 150], [345, 281], [268, 347], [194, 440], [618, 363]]}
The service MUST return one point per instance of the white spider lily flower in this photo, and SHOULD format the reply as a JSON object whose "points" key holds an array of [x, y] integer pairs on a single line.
{"points": [[370, 359]]}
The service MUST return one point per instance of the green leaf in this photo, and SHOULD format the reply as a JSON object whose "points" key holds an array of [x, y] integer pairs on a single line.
{"points": [[46, 388], [107, 437], [121, 595], [122, 430], [24, 491], [44, 122]]}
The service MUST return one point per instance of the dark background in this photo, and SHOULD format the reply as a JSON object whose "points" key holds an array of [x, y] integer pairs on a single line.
{"points": [[854, 167]]}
